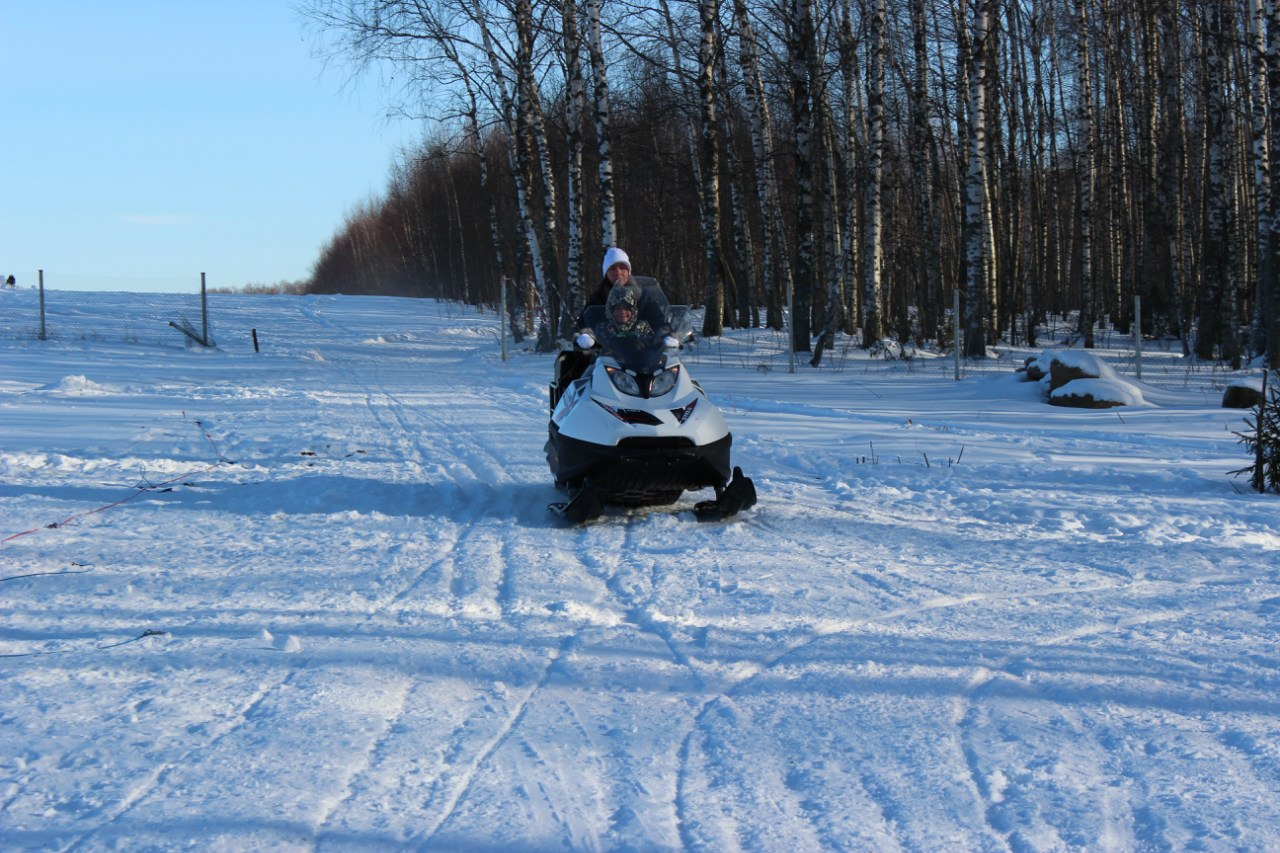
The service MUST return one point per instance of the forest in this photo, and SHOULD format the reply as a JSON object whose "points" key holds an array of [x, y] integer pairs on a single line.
{"points": [[832, 167]]}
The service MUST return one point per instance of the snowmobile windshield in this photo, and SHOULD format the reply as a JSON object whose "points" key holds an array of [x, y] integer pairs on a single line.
{"points": [[639, 353], [677, 321]]}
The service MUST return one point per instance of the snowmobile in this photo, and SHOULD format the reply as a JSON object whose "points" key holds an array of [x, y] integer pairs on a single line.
{"points": [[635, 430]]}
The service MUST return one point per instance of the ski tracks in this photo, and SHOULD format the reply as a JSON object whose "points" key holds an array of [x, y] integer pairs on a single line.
{"points": [[380, 749], [596, 788], [461, 777], [640, 578], [1142, 734], [470, 482], [110, 822], [1012, 710], [468, 578], [464, 483], [552, 773]]}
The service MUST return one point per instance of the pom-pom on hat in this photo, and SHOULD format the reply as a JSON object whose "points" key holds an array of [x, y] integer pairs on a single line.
{"points": [[615, 256]]}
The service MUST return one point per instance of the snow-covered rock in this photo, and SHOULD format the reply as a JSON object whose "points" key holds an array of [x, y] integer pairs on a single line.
{"points": [[1096, 394], [1079, 379], [1069, 365], [1242, 394]]}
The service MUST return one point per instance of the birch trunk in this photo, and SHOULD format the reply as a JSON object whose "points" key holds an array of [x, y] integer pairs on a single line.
{"points": [[518, 159], [1154, 223], [1112, 296], [713, 317], [575, 108], [976, 254], [848, 155], [873, 253], [1211, 332], [831, 267], [1261, 172], [800, 60], [1269, 299], [741, 311], [1086, 175], [776, 273], [600, 107], [558, 312], [924, 166], [1173, 177]]}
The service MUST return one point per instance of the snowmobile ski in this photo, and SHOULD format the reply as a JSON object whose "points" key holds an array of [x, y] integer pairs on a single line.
{"points": [[585, 506], [740, 494]]}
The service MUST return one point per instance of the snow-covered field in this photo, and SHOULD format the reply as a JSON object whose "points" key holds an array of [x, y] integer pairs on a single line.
{"points": [[311, 599]]}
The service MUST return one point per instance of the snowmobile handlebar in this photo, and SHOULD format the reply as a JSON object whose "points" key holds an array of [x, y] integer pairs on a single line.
{"points": [[677, 324]]}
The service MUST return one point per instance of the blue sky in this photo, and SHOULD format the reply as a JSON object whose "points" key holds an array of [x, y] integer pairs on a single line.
{"points": [[153, 141]]}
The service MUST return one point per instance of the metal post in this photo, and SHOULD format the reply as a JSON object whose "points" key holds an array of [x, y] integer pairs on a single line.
{"points": [[43, 332], [204, 312], [791, 336], [955, 323], [1137, 333]]}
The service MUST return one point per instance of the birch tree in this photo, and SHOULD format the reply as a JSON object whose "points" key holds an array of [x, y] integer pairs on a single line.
{"points": [[847, 149], [1269, 299], [801, 60], [532, 131], [575, 107], [600, 110], [741, 311], [776, 271], [977, 257], [713, 316], [1173, 179], [1257, 23], [1153, 258], [520, 157], [872, 322], [1212, 332], [924, 169], [831, 171], [1086, 174]]}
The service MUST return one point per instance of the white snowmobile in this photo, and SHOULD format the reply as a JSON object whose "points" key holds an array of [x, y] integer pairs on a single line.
{"points": [[636, 430]]}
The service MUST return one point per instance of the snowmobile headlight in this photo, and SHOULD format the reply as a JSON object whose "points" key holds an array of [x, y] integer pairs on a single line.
{"points": [[623, 381], [664, 381]]}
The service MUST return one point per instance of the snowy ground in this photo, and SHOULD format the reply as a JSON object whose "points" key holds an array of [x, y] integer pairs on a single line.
{"points": [[311, 599]]}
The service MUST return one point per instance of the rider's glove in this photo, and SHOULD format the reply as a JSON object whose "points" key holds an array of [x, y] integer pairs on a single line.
{"points": [[585, 340], [670, 342]]}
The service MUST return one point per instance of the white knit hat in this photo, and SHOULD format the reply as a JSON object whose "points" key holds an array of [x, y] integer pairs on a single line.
{"points": [[615, 256]]}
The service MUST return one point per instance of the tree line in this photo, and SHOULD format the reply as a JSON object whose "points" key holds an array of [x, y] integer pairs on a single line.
{"points": [[847, 165]]}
